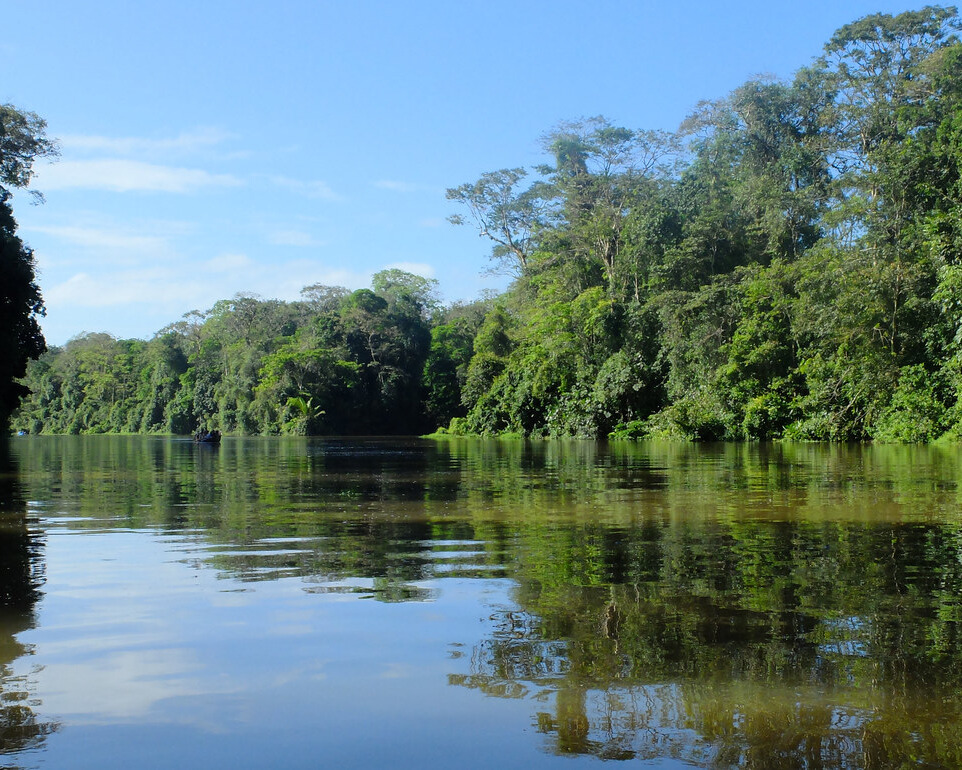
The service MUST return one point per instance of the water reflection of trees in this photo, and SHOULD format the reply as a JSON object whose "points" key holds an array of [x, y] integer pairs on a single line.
{"points": [[151, 481], [759, 645], [21, 576], [767, 606]]}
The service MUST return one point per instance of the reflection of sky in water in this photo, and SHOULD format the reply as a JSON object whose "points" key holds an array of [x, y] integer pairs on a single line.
{"points": [[147, 655], [136, 647], [717, 612]]}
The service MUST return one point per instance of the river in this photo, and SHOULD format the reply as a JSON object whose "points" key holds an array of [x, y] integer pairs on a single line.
{"points": [[305, 603]]}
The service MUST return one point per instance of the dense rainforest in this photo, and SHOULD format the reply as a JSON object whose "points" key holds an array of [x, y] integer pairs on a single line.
{"points": [[788, 264], [379, 360]]}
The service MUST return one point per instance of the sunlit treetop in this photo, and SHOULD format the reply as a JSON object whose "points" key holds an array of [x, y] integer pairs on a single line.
{"points": [[23, 140]]}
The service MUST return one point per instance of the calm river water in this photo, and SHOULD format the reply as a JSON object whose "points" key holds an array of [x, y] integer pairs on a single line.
{"points": [[464, 603]]}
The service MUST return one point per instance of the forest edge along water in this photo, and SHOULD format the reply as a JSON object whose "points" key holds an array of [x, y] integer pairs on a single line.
{"points": [[474, 602], [785, 265]]}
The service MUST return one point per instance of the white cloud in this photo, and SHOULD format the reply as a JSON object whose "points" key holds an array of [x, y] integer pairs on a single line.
{"points": [[119, 175], [312, 189], [293, 238], [418, 268], [185, 142], [101, 239], [401, 187], [227, 263], [431, 222], [286, 281], [151, 287], [169, 288]]}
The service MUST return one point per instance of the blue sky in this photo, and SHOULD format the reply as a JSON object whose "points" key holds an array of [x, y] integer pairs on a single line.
{"points": [[212, 147]]}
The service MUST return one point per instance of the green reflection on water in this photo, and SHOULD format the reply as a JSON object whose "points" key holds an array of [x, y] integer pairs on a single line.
{"points": [[21, 577], [752, 605]]}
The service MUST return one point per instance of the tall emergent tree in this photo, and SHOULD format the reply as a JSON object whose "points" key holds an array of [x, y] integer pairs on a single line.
{"points": [[22, 141], [787, 265]]}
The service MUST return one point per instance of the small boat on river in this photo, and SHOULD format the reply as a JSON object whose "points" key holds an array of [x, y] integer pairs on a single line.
{"points": [[207, 437]]}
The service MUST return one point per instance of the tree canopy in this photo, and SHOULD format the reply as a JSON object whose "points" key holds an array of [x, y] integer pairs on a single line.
{"points": [[22, 141], [788, 264], [785, 265]]}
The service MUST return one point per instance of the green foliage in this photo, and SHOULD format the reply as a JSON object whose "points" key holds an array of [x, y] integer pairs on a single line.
{"points": [[20, 307], [512, 219], [917, 411], [695, 417], [22, 141], [446, 369], [336, 363], [791, 273], [788, 265]]}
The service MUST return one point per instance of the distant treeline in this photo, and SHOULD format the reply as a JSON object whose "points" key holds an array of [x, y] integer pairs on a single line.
{"points": [[376, 361], [786, 265]]}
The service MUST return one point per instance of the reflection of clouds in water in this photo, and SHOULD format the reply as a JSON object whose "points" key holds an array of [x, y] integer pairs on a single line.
{"points": [[293, 623], [594, 701], [397, 671], [120, 685], [128, 686], [653, 631], [22, 725], [129, 633], [617, 682], [232, 598], [722, 725], [98, 645], [292, 629]]}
